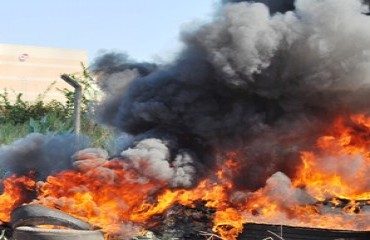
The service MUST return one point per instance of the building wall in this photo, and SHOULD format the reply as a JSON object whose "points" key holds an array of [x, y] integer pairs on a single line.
{"points": [[32, 70]]}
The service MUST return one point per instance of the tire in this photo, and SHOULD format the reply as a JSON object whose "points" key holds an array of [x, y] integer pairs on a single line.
{"points": [[33, 215], [33, 233]]}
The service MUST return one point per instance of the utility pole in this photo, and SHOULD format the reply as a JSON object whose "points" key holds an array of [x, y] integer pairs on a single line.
{"points": [[77, 103]]}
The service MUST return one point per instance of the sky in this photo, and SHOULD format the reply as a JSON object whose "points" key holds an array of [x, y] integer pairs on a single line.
{"points": [[145, 29]]}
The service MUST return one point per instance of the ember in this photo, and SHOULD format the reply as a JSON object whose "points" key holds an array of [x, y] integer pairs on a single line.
{"points": [[263, 118]]}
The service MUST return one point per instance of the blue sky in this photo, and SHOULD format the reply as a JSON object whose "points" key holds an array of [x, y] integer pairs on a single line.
{"points": [[145, 29]]}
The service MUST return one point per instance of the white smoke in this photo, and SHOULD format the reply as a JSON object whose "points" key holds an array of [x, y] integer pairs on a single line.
{"points": [[280, 190], [184, 169], [151, 158]]}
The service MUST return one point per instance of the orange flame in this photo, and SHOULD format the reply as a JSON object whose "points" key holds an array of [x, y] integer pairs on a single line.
{"points": [[113, 195], [16, 191], [103, 196], [341, 164]]}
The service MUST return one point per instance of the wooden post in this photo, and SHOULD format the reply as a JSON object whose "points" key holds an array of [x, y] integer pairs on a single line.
{"points": [[77, 103]]}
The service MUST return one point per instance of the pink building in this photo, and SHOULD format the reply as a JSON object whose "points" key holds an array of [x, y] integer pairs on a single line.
{"points": [[32, 70]]}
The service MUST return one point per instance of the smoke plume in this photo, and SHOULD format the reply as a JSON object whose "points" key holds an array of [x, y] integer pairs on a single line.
{"points": [[260, 84], [44, 154], [151, 157]]}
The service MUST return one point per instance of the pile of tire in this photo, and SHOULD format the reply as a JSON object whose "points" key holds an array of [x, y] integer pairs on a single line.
{"points": [[25, 222]]}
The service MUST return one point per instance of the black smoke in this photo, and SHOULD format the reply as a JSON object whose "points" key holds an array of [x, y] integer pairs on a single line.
{"points": [[274, 5], [262, 85], [111, 63]]}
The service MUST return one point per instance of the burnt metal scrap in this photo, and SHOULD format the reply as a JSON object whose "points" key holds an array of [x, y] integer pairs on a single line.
{"points": [[6, 231], [254, 231], [183, 222], [144, 235], [345, 205]]}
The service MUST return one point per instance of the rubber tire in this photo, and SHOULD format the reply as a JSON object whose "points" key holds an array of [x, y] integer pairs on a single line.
{"points": [[33, 233], [34, 214]]}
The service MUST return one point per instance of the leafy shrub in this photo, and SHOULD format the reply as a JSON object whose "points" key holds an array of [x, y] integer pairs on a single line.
{"points": [[21, 111], [21, 117]]}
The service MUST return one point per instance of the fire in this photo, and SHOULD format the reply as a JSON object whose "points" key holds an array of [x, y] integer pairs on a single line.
{"points": [[127, 199], [16, 190], [105, 196], [110, 195], [340, 166], [329, 186]]}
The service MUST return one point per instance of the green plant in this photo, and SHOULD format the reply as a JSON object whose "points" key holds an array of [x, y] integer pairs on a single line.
{"points": [[21, 111], [50, 122], [19, 118]]}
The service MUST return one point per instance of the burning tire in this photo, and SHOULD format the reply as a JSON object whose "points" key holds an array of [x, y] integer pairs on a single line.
{"points": [[33, 215], [33, 233]]}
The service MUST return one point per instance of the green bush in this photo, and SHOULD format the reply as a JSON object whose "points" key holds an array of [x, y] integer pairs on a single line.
{"points": [[21, 111], [19, 118]]}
